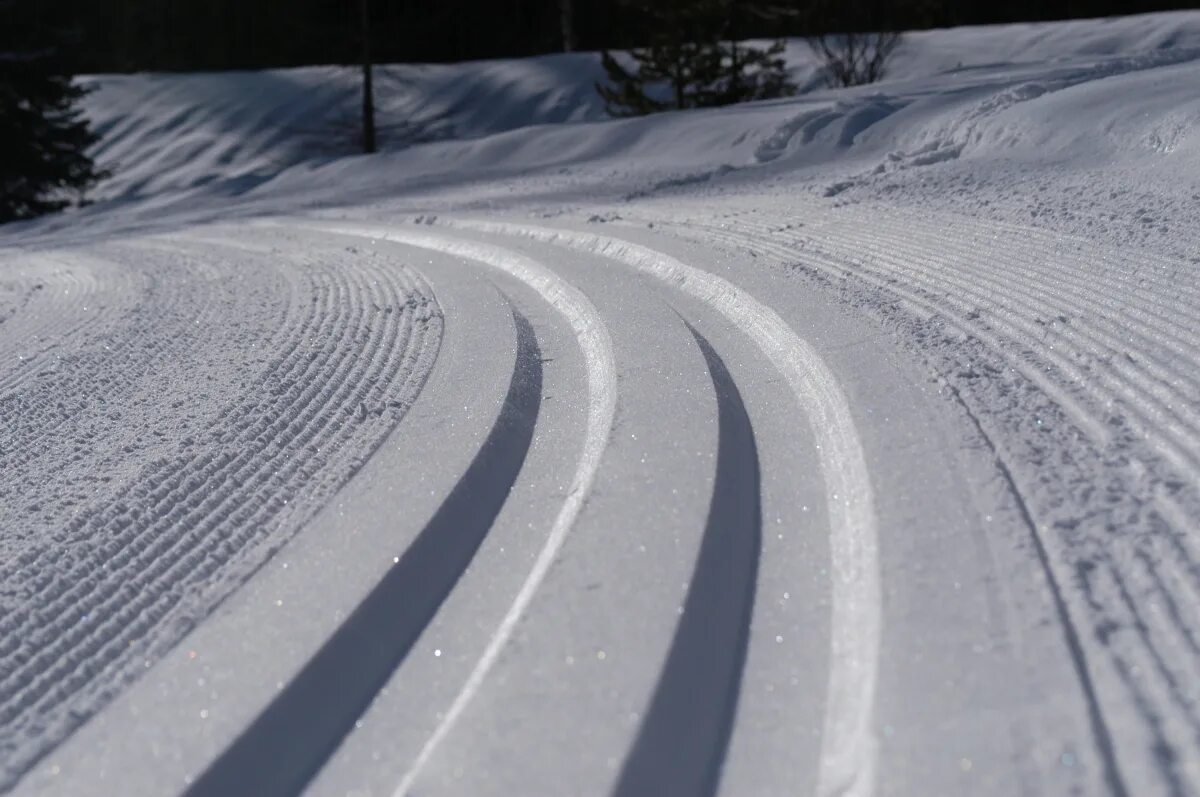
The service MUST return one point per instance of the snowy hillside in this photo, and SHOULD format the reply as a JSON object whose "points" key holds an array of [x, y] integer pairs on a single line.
{"points": [[164, 133], [847, 444]]}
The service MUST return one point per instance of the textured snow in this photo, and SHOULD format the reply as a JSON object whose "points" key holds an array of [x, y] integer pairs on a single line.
{"points": [[961, 305]]}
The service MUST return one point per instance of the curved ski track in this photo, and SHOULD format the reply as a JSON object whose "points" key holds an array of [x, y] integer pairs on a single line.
{"points": [[847, 759], [847, 744], [290, 740], [1090, 350], [88, 606], [109, 568], [681, 744]]}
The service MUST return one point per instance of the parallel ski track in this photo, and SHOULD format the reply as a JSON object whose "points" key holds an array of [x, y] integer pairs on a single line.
{"points": [[848, 745], [669, 749], [1139, 566], [288, 743], [128, 579], [596, 348]]}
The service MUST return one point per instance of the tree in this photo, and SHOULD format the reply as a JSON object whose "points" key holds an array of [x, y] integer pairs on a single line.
{"points": [[44, 137], [694, 60], [566, 20], [368, 90], [853, 59]]}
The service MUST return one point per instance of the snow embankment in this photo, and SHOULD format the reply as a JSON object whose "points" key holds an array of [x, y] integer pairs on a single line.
{"points": [[950, 93]]}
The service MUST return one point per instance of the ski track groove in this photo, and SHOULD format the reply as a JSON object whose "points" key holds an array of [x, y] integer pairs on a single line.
{"points": [[1128, 663], [307, 720], [1153, 638], [190, 565], [20, 413], [174, 501], [848, 744], [290, 338], [1122, 321], [1071, 636], [128, 551], [596, 347], [137, 576], [926, 299], [1149, 384], [1135, 396], [1134, 574], [681, 744], [1034, 370]]}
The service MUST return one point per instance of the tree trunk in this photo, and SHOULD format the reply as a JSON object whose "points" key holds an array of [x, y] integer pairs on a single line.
{"points": [[566, 10], [734, 89], [678, 81], [368, 95]]}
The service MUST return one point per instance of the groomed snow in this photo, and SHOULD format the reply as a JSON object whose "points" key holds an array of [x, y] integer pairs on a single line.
{"points": [[960, 309]]}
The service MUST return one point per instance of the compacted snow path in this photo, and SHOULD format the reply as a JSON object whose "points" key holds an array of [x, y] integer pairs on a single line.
{"points": [[749, 510], [843, 445], [1050, 350]]}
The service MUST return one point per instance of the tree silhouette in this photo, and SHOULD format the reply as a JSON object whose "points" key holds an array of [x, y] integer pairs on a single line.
{"points": [[44, 137], [694, 60]]}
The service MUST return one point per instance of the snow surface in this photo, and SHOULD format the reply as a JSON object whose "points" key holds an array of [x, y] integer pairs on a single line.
{"points": [[960, 309]]}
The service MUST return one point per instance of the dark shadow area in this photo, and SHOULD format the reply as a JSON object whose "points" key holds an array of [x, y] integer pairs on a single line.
{"points": [[191, 35]]}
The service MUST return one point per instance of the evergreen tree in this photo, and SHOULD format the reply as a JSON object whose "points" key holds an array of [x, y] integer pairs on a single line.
{"points": [[694, 60], [43, 135]]}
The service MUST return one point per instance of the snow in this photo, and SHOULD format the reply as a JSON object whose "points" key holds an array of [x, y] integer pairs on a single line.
{"points": [[230, 132], [960, 307]]}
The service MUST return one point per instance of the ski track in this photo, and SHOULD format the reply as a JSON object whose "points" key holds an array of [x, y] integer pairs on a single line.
{"points": [[307, 720], [1030, 332], [1035, 333], [681, 745], [174, 408], [848, 744], [596, 348], [102, 596]]}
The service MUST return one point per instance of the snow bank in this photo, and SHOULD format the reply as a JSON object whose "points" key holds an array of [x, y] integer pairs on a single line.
{"points": [[163, 132], [973, 92]]}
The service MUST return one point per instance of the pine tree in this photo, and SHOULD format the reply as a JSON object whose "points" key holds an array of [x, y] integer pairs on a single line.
{"points": [[43, 136], [694, 60]]}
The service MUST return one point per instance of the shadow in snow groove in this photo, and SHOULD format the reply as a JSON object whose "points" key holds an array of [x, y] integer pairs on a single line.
{"points": [[681, 745], [291, 739]]}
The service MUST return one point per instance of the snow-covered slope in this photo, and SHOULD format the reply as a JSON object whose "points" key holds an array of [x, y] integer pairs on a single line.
{"points": [[165, 133], [171, 132], [847, 444]]}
